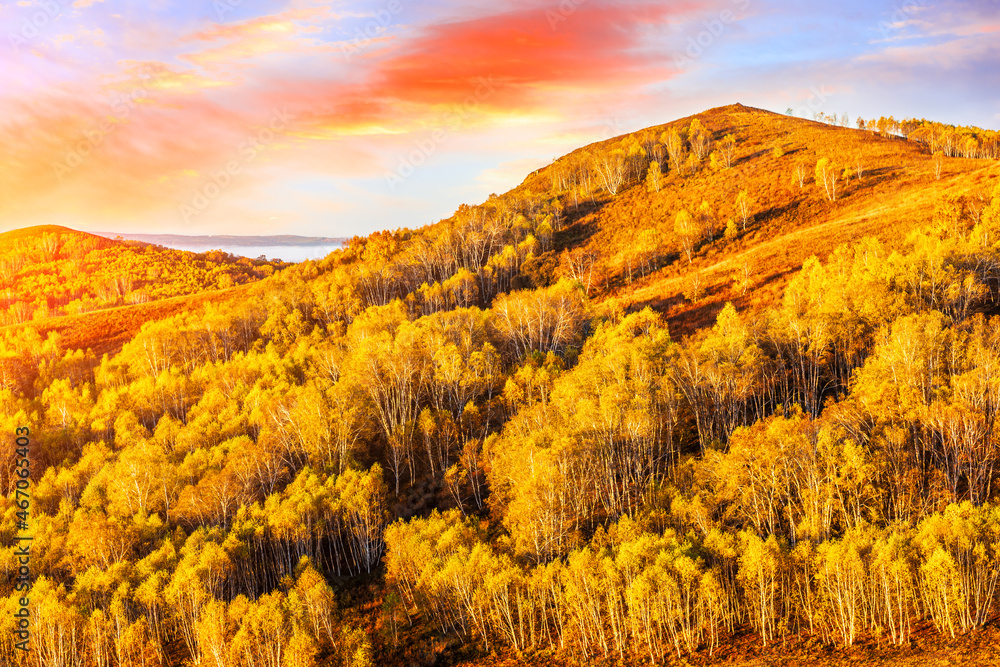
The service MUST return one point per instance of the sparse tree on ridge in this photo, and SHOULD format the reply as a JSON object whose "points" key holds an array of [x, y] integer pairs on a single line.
{"points": [[800, 173], [692, 163], [707, 221], [698, 139], [727, 149], [654, 177], [612, 167], [675, 148]]}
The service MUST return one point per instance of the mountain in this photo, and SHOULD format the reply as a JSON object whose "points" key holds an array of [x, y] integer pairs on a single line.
{"points": [[721, 391], [215, 241]]}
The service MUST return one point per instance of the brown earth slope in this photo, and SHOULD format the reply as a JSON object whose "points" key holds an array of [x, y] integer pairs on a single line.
{"points": [[898, 190]]}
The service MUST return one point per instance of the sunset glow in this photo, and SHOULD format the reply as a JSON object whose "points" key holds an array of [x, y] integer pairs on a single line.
{"points": [[340, 119]]}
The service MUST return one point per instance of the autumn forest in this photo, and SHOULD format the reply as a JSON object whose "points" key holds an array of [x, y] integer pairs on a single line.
{"points": [[726, 385]]}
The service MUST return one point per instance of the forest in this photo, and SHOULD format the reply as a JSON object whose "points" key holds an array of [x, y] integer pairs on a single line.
{"points": [[622, 414]]}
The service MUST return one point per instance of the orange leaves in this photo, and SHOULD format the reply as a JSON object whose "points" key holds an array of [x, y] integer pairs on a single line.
{"points": [[907, 367], [605, 433], [654, 177]]}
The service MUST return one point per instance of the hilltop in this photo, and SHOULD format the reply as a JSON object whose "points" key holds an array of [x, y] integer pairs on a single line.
{"points": [[892, 187], [32, 233], [625, 246], [50, 242]]}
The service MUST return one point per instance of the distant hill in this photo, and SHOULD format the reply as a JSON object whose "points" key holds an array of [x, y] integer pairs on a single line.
{"points": [[215, 241], [49, 271], [32, 235]]}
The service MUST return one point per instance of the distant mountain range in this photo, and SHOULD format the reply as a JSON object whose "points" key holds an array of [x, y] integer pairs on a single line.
{"points": [[213, 241]]}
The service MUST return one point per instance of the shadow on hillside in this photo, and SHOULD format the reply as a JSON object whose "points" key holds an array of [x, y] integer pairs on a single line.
{"points": [[873, 178], [684, 319], [879, 174], [620, 279], [580, 225], [752, 156], [792, 210]]}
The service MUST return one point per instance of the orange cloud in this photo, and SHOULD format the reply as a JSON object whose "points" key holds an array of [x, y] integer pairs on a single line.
{"points": [[525, 62], [282, 32], [528, 51], [65, 150]]}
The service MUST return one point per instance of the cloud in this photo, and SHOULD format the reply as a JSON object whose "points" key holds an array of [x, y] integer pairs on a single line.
{"points": [[594, 46], [958, 34], [289, 32], [510, 68], [488, 69]]}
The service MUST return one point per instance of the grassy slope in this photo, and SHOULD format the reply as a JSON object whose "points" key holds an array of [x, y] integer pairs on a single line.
{"points": [[106, 331], [897, 192]]}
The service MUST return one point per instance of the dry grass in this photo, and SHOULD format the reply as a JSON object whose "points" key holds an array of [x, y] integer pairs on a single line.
{"points": [[897, 192], [927, 648], [107, 331]]}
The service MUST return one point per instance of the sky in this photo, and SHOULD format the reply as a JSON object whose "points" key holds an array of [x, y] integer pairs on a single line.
{"points": [[339, 119]]}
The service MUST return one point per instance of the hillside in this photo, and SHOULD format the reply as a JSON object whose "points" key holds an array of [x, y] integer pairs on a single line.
{"points": [[897, 191], [722, 391], [106, 331], [48, 271]]}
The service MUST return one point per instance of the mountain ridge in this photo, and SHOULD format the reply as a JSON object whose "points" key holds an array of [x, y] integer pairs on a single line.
{"points": [[227, 239]]}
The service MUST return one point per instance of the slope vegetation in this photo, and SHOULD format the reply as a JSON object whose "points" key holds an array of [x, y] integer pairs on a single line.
{"points": [[49, 271], [627, 246], [704, 394]]}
